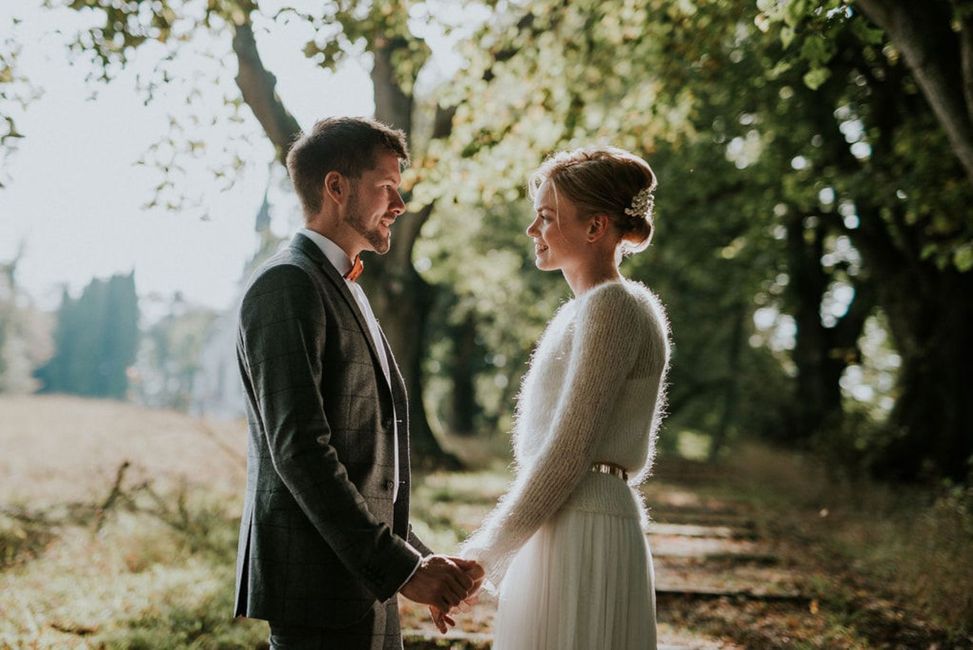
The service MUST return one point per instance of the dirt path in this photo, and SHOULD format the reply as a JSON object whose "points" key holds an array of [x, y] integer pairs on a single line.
{"points": [[729, 576], [706, 552]]}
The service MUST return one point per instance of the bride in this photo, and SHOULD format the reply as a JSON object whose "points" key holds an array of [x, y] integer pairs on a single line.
{"points": [[566, 545]]}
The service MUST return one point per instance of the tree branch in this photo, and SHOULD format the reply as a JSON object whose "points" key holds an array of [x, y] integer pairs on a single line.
{"points": [[392, 105], [966, 56], [258, 87]]}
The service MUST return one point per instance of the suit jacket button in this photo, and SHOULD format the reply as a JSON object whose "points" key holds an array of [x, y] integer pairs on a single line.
{"points": [[389, 484]]}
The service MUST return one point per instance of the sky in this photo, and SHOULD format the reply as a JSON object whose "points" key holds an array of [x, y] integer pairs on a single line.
{"points": [[74, 198]]}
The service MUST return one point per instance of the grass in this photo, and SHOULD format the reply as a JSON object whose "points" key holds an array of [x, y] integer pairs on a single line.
{"points": [[92, 561], [153, 565], [118, 526], [911, 547]]}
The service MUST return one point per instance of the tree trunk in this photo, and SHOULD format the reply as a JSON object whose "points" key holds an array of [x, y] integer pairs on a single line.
{"points": [[463, 406], [398, 295], [935, 54], [932, 421], [929, 313], [400, 298], [258, 88], [818, 397], [731, 393]]}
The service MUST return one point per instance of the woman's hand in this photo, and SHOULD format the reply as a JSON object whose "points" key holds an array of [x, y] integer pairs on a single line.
{"points": [[442, 619]]}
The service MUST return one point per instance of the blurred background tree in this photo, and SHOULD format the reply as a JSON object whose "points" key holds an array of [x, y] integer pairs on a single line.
{"points": [[898, 91], [170, 357], [95, 340], [25, 333]]}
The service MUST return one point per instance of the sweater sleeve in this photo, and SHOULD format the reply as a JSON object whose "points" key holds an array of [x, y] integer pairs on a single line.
{"points": [[602, 355]]}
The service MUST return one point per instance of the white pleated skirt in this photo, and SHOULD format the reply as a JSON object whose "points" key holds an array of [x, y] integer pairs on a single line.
{"points": [[584, 581]]}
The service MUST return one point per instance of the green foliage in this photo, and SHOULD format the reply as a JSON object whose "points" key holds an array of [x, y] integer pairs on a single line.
{"points": [[199, 624], [21, 541], [95, 340], [365, 26], [482, 256], [534, 87], [834, 38], [756, 119], [776, 128]]}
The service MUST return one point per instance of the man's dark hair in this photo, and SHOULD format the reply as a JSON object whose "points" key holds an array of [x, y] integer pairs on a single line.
{"points": [[347, 145]]}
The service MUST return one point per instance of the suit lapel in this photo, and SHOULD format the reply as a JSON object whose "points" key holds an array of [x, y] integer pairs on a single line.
{"points": [[395, 378], [311, 249]]}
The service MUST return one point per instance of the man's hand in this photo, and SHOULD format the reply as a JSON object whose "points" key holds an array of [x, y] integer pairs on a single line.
{"points": [[474, 571], [440, 582]]}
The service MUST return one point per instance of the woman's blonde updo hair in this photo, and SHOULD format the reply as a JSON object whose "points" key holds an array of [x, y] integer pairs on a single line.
{"points": [[604, 180]]}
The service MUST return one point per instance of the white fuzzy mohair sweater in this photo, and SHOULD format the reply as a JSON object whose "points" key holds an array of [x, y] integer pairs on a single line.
{"points": [[593, 393]]}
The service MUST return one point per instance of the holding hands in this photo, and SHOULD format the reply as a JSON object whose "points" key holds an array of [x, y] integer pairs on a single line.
{"points": [[443, 583]]}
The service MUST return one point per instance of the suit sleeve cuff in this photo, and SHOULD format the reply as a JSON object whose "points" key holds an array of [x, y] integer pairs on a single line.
{"points": [[411, 573]]}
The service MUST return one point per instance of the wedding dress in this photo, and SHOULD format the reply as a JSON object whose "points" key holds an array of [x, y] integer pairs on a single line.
{"points": [[567, 545]]}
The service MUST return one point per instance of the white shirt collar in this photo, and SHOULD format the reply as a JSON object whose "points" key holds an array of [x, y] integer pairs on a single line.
{"points": [[338, 257]]}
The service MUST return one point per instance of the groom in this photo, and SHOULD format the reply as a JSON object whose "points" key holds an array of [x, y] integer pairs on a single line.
{"points": [[325, 541]]}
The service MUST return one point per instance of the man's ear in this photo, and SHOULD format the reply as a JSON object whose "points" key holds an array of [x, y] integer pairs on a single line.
{"points": [[597, 227], [336, 187]]}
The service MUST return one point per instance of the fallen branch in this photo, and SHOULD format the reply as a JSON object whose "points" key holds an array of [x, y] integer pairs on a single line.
{"points": [[77, 630], [116, 492]]}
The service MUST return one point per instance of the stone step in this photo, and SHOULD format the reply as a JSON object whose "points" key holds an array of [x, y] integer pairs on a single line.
{"points": [[701, 593], [425, 640], [689, 516], [696, 530], [684, 546], [420, 639]]}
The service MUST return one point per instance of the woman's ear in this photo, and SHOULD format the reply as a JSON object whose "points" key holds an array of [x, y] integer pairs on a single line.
{"points": [[336, 187], [597, 227]]}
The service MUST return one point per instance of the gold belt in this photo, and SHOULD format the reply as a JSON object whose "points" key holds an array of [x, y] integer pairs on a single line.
{"points": [[610, 468]]}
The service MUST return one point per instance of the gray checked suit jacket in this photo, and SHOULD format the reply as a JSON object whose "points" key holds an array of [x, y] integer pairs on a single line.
{"points": [[321, 542]]}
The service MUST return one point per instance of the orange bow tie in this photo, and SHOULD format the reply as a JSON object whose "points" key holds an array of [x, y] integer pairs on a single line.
{"points": [[356, 269]]}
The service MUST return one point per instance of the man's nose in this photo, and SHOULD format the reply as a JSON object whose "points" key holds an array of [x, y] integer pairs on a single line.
{"points": [[398, 205]]}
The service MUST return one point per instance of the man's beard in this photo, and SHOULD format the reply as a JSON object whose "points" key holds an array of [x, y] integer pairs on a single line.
{"points": [[356, 219]]}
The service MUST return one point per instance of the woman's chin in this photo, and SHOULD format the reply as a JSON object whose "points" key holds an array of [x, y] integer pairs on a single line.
{"points": [[543, 265]]}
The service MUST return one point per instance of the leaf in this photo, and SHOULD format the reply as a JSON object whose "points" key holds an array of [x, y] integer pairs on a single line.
{"points": [[816, 77], [794, 12], [762, 22], [963, 257], [816, 50]]}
